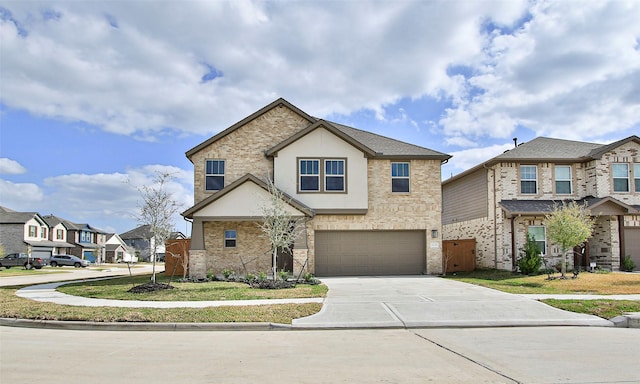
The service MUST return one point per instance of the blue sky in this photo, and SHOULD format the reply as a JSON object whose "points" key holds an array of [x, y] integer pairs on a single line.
{"points": [[97, 97]]}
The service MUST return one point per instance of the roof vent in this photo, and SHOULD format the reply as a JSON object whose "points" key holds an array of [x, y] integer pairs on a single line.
{"points": [[515, 142]]}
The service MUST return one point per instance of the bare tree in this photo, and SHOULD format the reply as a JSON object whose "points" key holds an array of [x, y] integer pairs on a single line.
{"points": [[156, 211], [278, 225]]}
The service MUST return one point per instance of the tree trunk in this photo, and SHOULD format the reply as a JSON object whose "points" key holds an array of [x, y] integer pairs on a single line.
{"points": [[275, 266], [563, 267]]}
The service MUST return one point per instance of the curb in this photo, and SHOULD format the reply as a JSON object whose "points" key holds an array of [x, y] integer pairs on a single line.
{"points": [[122, 326]]}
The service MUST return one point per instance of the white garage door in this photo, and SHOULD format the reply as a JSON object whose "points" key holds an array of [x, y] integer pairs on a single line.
{"points": [[369, 253]]}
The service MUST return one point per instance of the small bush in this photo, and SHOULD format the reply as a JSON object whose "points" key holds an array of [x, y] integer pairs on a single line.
{"points": [[283, 275], [627, 264], [227, 273], [262, 276], [309, 278], [530, 260]]}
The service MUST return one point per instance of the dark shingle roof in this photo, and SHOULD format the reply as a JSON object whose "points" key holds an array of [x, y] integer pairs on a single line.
{"points": [[545, 148], [539, 207], [13, 217]]}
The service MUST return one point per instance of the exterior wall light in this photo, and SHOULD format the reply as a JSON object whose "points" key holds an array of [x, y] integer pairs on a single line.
{"points": [[434, 233]]}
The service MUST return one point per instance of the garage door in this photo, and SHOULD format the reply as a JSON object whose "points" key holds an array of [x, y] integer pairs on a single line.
{"points": [[367, 253], [42, 253], [632, 245]]}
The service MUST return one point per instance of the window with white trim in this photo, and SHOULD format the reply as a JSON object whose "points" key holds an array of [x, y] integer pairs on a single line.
{"points": [[564, 185], [620, 172], [43, 232], [636, 177], [309, 175], [59, 234], [400, 177], [539, 235], [230, 238], [334, 175], [214, 175], [33, 231], [528, 179]]}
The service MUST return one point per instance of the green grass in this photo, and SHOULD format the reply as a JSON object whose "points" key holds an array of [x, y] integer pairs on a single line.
{"points": [[20, 271], [210, 291], [586, 283], [606, 309]]}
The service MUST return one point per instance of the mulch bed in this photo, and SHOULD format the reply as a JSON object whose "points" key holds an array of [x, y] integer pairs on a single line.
{"points": [[150, 287]]}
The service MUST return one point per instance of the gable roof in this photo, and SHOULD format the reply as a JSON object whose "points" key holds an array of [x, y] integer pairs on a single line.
{"points": [[262, 111], [12, 217], [246, 178], [546, 149], [371, 144]]}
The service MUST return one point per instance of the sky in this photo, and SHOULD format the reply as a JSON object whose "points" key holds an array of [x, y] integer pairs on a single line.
{"points": [[98, 97]]}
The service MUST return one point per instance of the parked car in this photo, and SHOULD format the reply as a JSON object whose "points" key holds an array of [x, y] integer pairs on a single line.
{"points": [[22, 260], [70, 260]]}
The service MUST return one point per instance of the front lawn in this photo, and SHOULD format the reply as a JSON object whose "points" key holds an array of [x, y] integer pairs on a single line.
{"points": [[210, 291], [12, 306], [586, 283]]}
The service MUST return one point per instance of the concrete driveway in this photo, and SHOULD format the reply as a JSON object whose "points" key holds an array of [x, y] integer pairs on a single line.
{"points": [[428, 301]]}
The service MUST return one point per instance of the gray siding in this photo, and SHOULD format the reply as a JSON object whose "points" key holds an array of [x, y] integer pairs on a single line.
{"points": [[466, 198], [12, 238]]}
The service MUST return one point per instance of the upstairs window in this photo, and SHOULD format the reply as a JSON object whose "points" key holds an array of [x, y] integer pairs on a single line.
{"points": [[334, 175], [528, 179], [33, 231], [563, 180], [214, 175], [309, 175], [59, 234], [43, 232], [400, 177], [539, 234], [620, 177], [636, 177], [230, 238]]}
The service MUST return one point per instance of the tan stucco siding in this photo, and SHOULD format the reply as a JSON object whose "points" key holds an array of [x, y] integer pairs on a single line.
{"points": [[322, 144], [243, 149]]}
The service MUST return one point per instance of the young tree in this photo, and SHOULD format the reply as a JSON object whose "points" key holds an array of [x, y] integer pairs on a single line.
{"points": [[156, 211], [568, 226], [278, 225]]}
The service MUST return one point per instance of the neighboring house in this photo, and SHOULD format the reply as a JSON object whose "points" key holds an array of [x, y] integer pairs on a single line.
{"points": [[116, 250], [88, 242], [28, 232], [370, 205], [141, 239], [500, 201]]}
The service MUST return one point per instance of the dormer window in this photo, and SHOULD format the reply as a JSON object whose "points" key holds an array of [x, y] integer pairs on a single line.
{"points": [[214, 175]]}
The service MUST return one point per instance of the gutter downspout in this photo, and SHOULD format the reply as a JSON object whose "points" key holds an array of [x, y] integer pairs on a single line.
{"points": [[513, 244], [495, 219]]}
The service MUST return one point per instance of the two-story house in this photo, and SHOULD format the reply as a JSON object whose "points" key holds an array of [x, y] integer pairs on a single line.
{"points": [[369, 205], [117, 250], [29, 232], [87, 242], [500, 201]]}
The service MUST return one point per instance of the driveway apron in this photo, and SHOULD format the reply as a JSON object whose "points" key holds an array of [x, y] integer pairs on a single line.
{"points": [[431, 302]]}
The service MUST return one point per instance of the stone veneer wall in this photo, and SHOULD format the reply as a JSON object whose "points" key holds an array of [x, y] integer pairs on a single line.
{"points": [[482, 231], [243, 149], [418, 210]]}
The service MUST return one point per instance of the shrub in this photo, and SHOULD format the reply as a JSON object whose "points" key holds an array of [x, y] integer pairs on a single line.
{"points": [[627, 264], [283, 275], [228, 273], [530, 260], [309, 278]]}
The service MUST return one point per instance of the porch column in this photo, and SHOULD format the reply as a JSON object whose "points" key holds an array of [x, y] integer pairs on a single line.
{"points": [[197, 253]]}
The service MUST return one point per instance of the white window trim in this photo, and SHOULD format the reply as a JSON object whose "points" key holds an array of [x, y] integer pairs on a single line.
{"points": [[343, 175], [534, 180], [570, 179], [613, 179], [543, 251], [235, 239], [224, 164], [408, 177]]}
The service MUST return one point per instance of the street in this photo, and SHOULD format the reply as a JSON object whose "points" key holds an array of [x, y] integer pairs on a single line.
{"points": [[471, 355]]}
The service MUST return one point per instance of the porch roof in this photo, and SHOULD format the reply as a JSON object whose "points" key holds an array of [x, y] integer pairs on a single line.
{"points": [[47, 243], [241, 200], [597, 206]]}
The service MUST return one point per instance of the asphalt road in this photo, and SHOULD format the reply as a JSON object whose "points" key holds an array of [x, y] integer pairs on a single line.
{"points": [[473, 355]]}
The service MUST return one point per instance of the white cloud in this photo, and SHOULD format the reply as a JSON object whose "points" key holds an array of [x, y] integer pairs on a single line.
{"points": [[570, 72], [11, 167], [469, 158], [20, 196], [136, 68]]}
